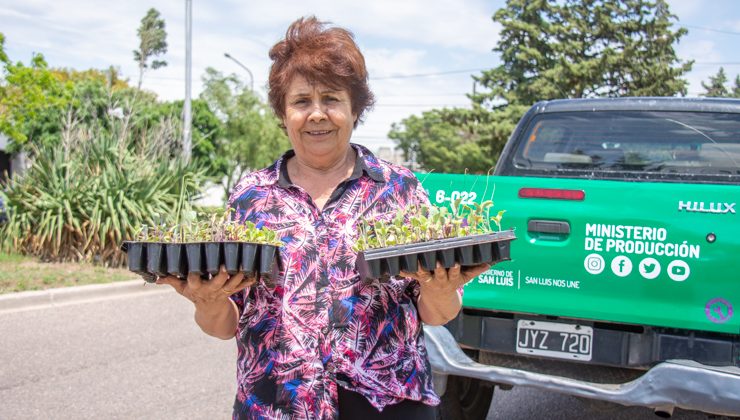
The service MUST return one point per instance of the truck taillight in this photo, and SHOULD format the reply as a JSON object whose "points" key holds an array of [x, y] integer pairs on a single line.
{"points": [[552, 193]]}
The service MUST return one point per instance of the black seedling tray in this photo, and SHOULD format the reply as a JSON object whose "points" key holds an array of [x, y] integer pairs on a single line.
{"points": [[488, 248], [154, 259]]}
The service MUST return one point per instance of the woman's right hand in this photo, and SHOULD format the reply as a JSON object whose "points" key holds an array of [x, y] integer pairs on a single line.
{"points": [[215, 313], [218, 288]]}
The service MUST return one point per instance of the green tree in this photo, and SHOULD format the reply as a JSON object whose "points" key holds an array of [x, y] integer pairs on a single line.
{"points": [[32, 100], [573, 49], [584, 48], [90, 96], [3, 55], [207, 130], [716, 86], [110, 77], [152, 43], [37, 102], [443, 139], [252, 137]]}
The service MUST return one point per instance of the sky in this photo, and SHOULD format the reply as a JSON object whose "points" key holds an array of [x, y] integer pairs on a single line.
{"points": [[420, 54]]}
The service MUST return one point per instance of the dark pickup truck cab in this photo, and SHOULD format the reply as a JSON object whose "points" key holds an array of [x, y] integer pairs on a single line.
{"points": [[624, 280]]}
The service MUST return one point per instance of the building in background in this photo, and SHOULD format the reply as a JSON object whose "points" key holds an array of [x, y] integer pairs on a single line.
{"points": [[10, 164], [5, 158], [394, 155], [390, 154]]}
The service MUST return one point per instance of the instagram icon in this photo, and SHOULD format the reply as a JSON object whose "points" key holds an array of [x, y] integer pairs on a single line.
{"points": [[594, 263]]}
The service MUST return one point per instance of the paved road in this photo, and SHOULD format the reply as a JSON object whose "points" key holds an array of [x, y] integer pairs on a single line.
{"points": [[527, 404], [141, 356]]}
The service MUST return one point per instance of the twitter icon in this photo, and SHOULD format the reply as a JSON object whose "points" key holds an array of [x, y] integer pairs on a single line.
{"points": [[649, 268]]}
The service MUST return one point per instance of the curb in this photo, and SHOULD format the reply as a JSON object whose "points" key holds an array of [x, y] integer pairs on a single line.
{"points": [[66, 295]]}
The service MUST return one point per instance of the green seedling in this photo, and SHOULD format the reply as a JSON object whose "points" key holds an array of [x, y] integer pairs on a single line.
{"points": [[423, 224], [214, 229]]}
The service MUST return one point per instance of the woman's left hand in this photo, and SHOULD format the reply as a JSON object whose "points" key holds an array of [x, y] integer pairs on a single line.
{"points": [[439, 300], [443, 280]]}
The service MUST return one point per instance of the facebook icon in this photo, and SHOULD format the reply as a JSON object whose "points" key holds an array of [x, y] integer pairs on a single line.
{"points": [[621, 266]]}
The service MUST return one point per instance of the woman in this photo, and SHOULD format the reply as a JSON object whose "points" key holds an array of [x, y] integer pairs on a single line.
{"points": [[323, 343]]}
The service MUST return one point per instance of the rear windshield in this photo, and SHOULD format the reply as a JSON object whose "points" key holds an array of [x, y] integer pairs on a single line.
{"points": [[640, 143]]}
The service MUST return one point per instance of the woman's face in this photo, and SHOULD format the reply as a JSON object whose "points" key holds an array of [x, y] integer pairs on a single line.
{"points": [[319, 121]]}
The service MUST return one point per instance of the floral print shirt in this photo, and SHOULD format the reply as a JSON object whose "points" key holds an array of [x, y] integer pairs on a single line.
{"points": [[321, 326]]}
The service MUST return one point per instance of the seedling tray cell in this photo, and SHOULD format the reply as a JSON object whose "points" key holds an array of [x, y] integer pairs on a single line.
{"points": [[156, 259], [196, 257], [136, 257], [176, 261], [465, 255], [136, 252], [268, 267], [482, 252], [214, 257], [374, 269], [410, 263], [485, 248], [503, 251], [249, 260], [429, 260], [231, 257], [446, 257], [393, 266]]}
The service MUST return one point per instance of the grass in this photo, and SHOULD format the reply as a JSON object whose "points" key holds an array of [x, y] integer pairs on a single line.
{"points": [[19, 273]]}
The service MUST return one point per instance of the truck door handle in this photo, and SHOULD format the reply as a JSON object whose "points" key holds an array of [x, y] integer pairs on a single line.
{"points": [[548, 226]]}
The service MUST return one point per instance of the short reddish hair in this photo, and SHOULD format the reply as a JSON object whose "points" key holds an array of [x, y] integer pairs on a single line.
{"points": [[328, 56]]}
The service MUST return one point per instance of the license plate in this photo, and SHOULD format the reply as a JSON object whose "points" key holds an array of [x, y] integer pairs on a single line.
{"points": [[553, 339]]}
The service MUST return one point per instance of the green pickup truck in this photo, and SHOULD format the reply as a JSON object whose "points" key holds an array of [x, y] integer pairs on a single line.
{"points": [[624, 279]]}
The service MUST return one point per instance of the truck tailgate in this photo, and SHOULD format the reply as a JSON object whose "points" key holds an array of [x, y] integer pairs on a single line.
{"points": [[646, 253]]}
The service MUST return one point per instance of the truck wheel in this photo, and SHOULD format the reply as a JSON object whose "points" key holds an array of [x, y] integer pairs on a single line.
{"points": [[465, 399]]}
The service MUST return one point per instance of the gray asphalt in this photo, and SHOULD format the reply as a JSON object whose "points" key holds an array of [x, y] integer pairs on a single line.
{"points": [[526, 404], [141, 356], [137, 357]]}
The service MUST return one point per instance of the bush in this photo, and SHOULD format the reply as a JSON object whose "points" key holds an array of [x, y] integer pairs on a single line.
{"points": [[84, 196]]}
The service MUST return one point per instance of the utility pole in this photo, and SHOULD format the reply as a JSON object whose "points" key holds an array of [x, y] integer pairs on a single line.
{"points": [[251, 78], [187, 117]]}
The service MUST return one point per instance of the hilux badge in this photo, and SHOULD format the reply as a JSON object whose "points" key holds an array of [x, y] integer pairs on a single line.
{"points": [[702, 207]]}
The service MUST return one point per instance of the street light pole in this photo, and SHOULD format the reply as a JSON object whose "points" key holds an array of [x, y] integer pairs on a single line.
{"points": [[187, 116], [251, 78]]}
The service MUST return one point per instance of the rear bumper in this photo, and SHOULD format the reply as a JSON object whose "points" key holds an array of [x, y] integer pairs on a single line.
{"points": [[675, 383]]}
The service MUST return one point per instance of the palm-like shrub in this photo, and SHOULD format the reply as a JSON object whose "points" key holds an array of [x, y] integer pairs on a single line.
{"points": [[84, 196]]}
